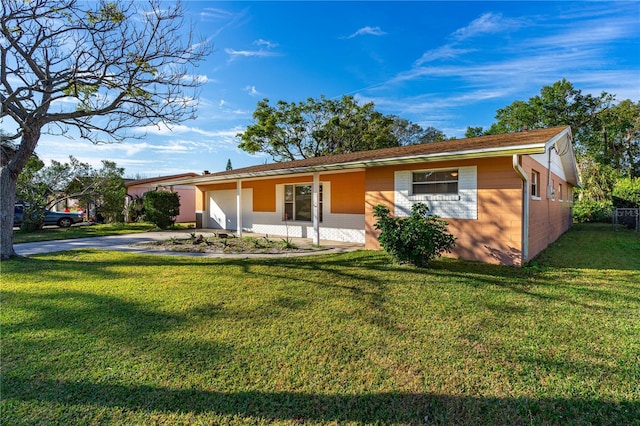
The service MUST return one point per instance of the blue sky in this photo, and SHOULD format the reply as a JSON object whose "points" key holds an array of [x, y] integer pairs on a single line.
{"points": [[443, 64]]}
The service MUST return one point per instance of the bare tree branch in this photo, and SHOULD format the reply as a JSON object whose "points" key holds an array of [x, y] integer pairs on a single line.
{"points": [[101, 68]]}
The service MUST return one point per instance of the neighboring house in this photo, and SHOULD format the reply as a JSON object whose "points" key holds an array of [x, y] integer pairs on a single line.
{"points": [[505, 197], [185, 191]]}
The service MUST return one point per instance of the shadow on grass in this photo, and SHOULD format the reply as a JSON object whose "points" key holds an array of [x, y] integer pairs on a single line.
{"points": [[104, 322], [406, 408], [365, 275]]}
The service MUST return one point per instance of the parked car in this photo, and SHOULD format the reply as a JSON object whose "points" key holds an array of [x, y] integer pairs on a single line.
{"points": [[61, 219]]}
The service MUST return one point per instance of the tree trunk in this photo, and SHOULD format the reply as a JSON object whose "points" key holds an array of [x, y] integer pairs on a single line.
{"points": [[7, 202], [10, 167]]}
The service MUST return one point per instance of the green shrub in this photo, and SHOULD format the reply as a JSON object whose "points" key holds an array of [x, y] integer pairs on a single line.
{"points": [[135, 209], [592, 211], [627, 190], [416, 239], [161, 207]]}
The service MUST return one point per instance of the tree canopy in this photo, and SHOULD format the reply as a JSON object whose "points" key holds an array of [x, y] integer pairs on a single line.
{"points": [[603, 131], [317, 127], [39, 187], [94, 69], [606, 136]]}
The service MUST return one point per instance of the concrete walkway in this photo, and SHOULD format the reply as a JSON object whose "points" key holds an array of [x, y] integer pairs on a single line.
{"points": [[128, 243]]}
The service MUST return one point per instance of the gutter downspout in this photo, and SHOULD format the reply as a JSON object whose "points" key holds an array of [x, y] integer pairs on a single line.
{"points": [[525, 206]]}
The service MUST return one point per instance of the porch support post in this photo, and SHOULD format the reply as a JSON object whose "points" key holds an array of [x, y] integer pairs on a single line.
{"points": [[315, 209], [239, 207]]}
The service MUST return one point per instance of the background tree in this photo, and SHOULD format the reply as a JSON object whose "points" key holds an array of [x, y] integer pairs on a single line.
{"points": [[473, 132], [97, 68], [409, 133], [229, 166], [316, 127], [32, 193], [606, 137], [560, 104], [40, 187], [106, 191]]}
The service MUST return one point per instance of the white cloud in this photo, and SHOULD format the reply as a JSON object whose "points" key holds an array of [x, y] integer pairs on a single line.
{"points": [[229, 19], [211, 13], [234, 54], [197, 78], [164, 129], [488, 23], [266, 43], [443, 52], [251, 90], [376, 31]]}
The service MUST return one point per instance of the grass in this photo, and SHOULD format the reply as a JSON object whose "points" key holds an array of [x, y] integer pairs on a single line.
{"points": [[82, 231], [93, 337]]}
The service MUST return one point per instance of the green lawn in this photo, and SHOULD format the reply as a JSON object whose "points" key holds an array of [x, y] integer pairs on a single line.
{"points": [[84, 230], [92, 337]]}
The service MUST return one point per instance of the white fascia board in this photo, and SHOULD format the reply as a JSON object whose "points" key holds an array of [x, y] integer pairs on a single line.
{"points": [[568, 157], [363, 164]]}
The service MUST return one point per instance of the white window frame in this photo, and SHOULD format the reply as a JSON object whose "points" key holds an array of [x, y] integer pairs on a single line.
{"points": [[455, 173], [463, 205], [559, 191], [535, 185], [293, 202]]}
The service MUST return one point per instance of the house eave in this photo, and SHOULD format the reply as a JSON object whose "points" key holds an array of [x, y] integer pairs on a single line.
{"points": [[363, 164]]}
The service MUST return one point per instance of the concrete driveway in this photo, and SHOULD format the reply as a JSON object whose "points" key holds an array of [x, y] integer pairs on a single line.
{"points": [[127, 243]]}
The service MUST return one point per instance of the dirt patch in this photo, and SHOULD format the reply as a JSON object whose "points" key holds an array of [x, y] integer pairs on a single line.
{"points": [[228, 243]]}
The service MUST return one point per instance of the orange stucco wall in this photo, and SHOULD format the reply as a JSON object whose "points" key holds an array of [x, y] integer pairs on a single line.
{"points": [[494, 237], [347, 191]]}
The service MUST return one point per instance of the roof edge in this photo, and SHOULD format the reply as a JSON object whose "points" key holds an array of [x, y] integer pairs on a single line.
{"points": [[459, 155]]}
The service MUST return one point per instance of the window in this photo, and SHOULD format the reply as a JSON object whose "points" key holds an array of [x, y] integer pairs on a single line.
{"points": [[535, 184], [435, 182], [559, 192], [298, 202]]}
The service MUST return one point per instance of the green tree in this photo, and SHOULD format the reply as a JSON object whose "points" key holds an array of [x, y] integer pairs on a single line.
{"points": [[473, 132], [606, 137], [161, 207], [316, 127], [617, 144], [409, 133], [560, 104], [39, 187], [108, 191], [31, 191], [97, 68], [229, 166]]}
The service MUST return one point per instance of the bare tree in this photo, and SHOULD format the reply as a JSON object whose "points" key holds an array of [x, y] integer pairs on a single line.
{"points": [[90, 68]]}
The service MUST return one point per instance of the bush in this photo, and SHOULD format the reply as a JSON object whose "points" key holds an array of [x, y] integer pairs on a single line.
{"points": [[626, 192], [161, 208], [592, 211], [417, 239]]}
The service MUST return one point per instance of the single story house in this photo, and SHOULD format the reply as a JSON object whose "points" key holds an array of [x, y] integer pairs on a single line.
{"points": [[186, 192], [505, 197]]}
